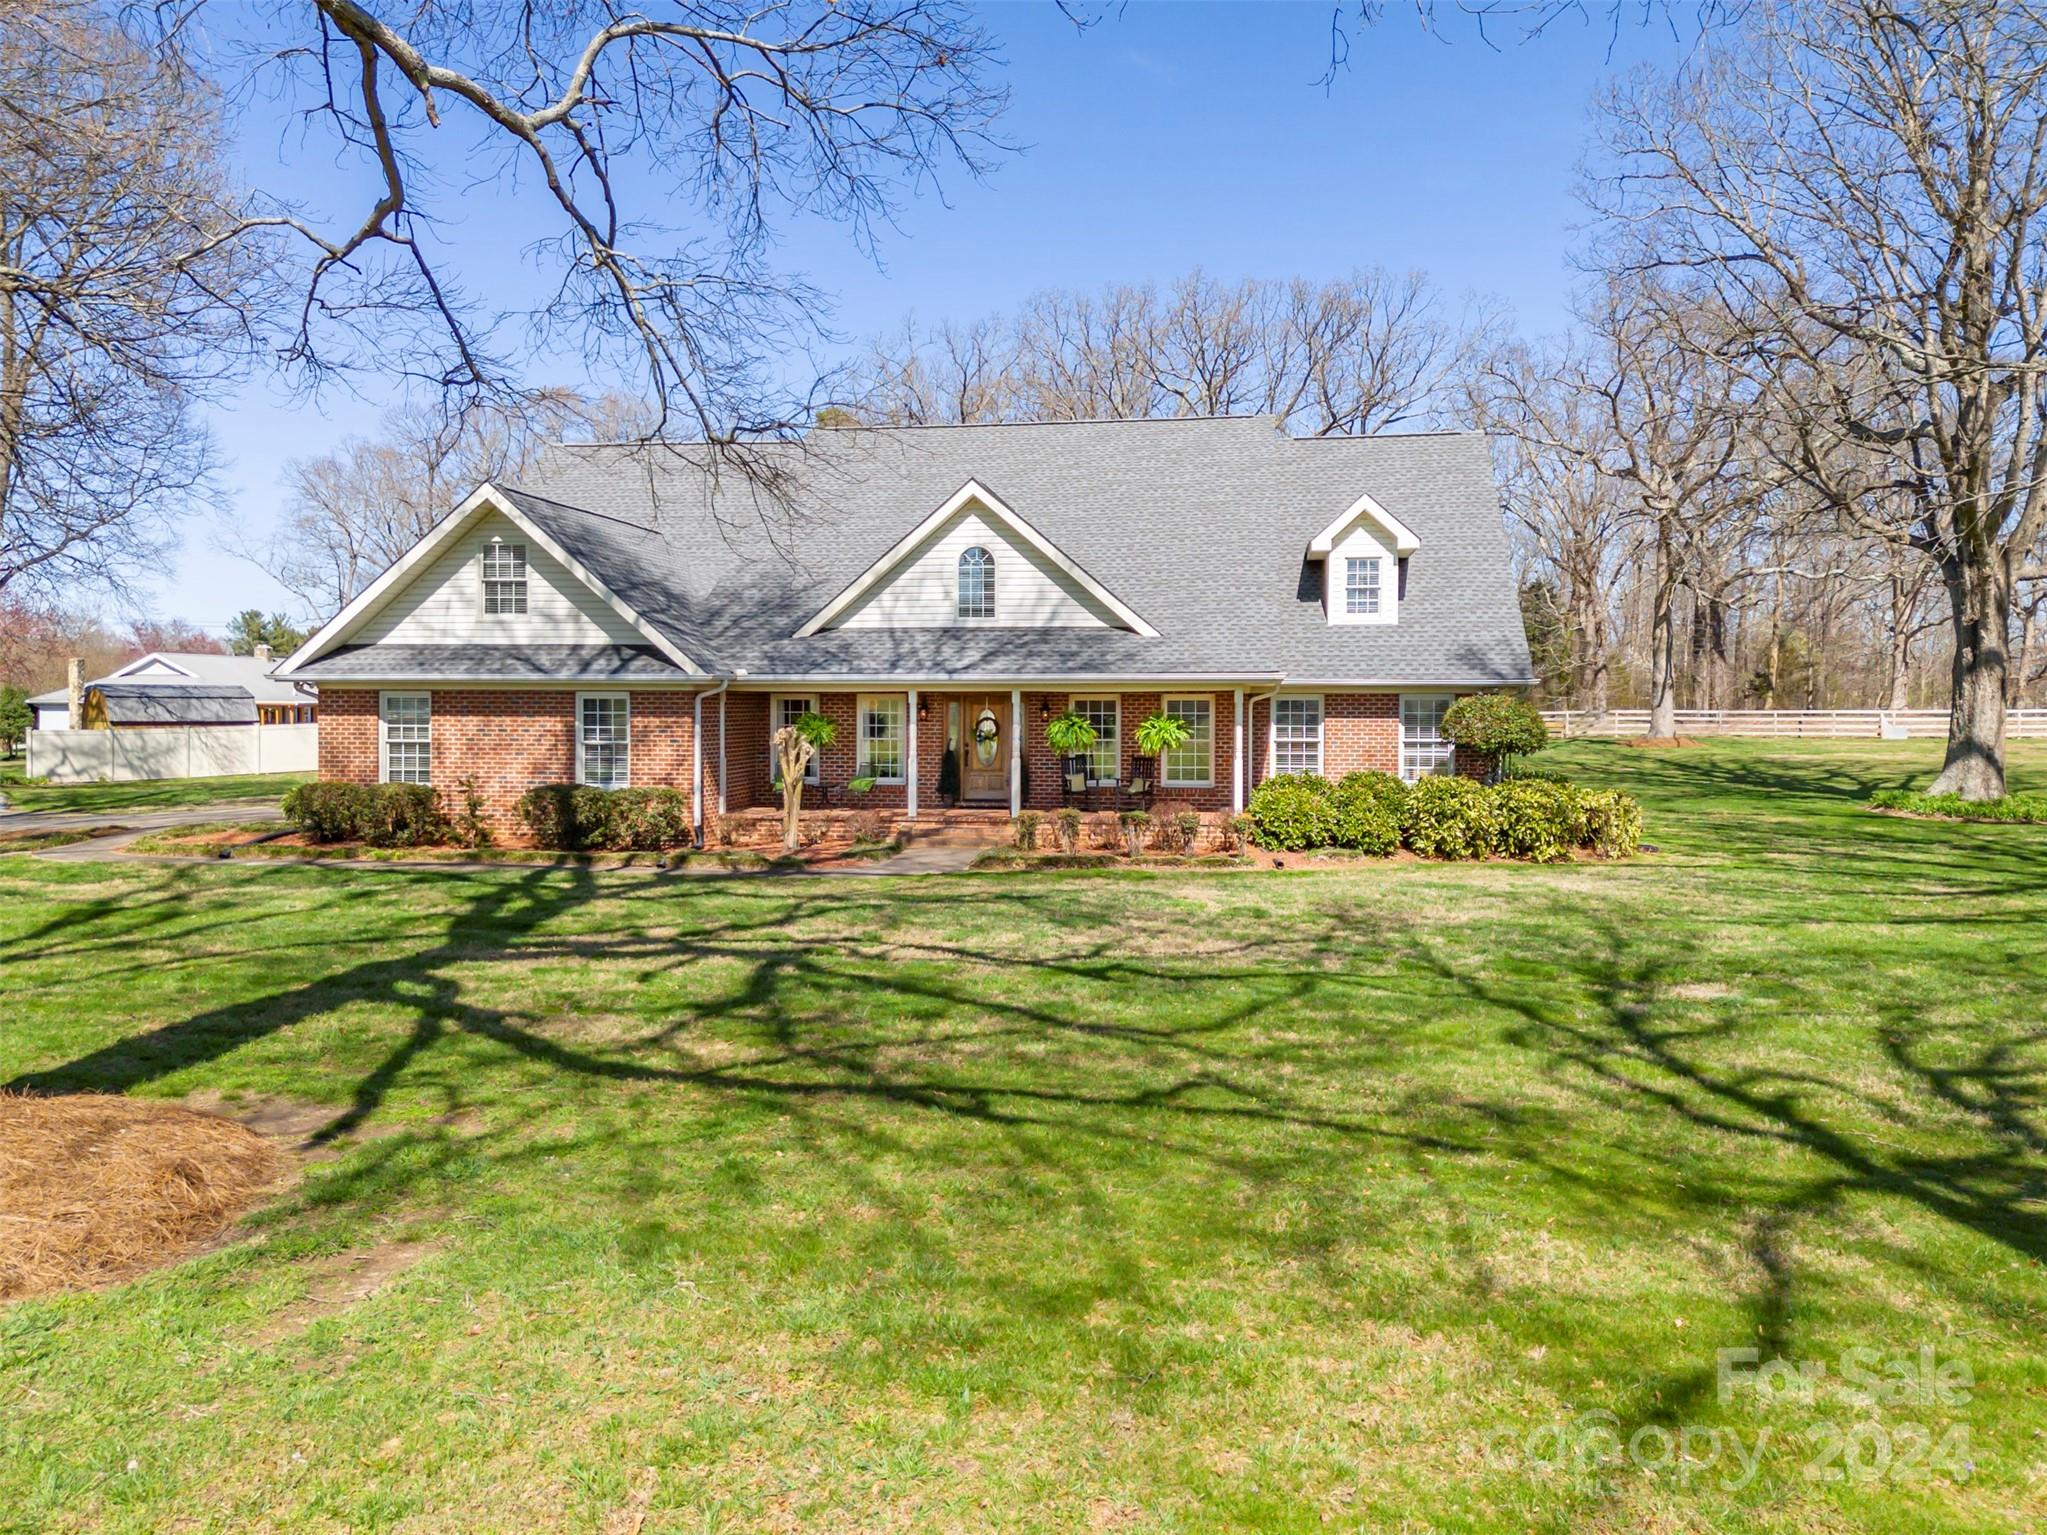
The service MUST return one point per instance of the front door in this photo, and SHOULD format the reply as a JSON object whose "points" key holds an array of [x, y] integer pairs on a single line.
{"points": [[984, 751]]}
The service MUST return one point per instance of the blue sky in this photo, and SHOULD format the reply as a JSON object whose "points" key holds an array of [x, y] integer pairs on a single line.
{"points": [[1168, 136]]}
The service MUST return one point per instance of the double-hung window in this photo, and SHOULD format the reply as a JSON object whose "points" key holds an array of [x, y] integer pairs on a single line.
{"points": [[1297, 735], [1423, 749], [405, 722], [881, 736], [1105, 757], [604, 733], [504, 577], [1191, 765], [1361, 587], [788, 710]]}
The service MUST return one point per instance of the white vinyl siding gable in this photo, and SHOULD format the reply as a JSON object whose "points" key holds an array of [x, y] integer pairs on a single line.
{"points": [[442, 604], [1029, 591], [1362, 542]]}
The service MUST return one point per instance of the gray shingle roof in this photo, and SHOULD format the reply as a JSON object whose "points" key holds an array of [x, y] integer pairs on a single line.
{"points": [[176, 703], [1200, 526], [455, 663]]}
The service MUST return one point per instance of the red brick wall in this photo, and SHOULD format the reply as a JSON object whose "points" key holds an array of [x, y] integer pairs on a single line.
{"points": [[348, 734], [1360, 732], [508, 740]]}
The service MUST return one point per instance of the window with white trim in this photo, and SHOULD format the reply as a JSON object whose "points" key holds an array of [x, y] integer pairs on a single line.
{"points": [[788, 709], [1297, 735], [881, 736], [1105, 757], [1423, 748], [504, 577], [1191, 766], [977, 584], [405, 721], [1361, 586], [604, 735]]}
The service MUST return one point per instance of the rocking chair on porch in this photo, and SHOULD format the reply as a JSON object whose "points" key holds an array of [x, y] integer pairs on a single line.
{"points": [[1137, 789]]}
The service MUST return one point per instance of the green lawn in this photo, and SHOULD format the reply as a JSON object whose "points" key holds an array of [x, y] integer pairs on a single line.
{"points": [[157, 794], [1207, 1202]]}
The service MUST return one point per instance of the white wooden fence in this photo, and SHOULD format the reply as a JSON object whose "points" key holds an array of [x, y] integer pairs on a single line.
{"points": [[171, 751], [1809, 724]]}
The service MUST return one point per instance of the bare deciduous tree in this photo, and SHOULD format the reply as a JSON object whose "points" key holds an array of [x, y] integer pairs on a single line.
{"points": [[1361, 354], [661, 143], [128, 289], [1870, 183], [355, 511]]}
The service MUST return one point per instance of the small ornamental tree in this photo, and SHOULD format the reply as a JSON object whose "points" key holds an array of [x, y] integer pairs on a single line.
{"points": [[1499, 724], [795, 744]]}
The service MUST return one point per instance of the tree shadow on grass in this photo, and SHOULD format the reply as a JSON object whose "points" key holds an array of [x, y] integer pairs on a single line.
{"points": [[1188, 1076]]}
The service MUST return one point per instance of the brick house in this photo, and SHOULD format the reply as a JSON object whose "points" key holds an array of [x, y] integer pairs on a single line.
{"points": [[627, 617]]}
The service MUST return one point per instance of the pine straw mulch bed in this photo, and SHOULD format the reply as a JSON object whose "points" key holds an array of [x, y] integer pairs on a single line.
{"points": [[267, 840], [95, 1188]]}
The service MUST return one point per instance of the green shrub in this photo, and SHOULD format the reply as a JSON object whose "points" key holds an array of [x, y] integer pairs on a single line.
{"points": [[1068, 820], [1027, 830], [377, 815], [576, 818], [645, 820], [1499, 724], [1367, 812], [1135, 824], [1293, 811], [2024, 808], [403, 815], [328, 812], [1540, 821], [1612, 821], [472, 826], [1447, 817]]}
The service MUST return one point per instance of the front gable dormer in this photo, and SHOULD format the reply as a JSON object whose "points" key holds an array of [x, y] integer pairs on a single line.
{"points": [[975, 563], [1363, 555]]}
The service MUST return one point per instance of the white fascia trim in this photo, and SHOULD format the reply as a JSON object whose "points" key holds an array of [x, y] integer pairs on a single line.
{"points": [[940, 682], [589, 683], [1404, 542], [141, 661], [344, 623], [973, 490]]}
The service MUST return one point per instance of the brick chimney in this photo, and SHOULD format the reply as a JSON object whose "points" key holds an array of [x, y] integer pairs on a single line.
{"points": [[75, 681]]}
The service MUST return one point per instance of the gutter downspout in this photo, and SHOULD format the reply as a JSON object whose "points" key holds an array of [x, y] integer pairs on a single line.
{"points": [[1251, 703], [696, 753]]}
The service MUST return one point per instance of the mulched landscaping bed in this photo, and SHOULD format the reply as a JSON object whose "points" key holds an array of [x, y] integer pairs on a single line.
{"points": [[95, 1188], [265, 840]]}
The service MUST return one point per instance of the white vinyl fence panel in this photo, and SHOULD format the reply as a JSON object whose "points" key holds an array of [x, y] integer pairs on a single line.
{"points": [[171, 751], [1808, 724]]}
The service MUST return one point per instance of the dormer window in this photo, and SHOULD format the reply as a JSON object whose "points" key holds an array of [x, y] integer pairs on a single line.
{"points": [[1361, 586], [977, 584], [504, 577]]}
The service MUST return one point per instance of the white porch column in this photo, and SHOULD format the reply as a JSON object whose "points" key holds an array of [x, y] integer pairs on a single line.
{"points": [[1015, 751], [1237, 760], [910, 768], [721, 753]]}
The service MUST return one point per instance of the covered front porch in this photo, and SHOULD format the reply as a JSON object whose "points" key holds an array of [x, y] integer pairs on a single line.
{"points": [[954, 749]]}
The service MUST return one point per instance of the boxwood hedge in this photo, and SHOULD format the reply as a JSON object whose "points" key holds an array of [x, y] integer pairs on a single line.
{"points": [[1544, 820]]}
